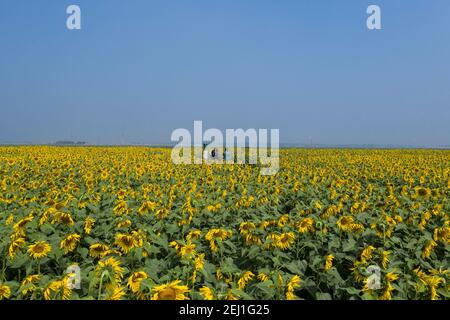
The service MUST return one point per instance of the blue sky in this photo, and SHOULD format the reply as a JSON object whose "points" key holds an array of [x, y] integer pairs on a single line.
{"points": [[139, 69]]}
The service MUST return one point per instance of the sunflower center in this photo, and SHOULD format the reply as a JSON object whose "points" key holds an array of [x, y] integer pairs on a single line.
{"points": [[39, 249], [167, 294], [127, 241], [422, 192]]}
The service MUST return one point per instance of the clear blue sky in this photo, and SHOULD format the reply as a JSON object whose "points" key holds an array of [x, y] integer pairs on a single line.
{"points": [[139, 69]]}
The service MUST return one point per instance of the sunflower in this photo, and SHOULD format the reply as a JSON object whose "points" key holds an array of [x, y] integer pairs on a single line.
{"points": [[69, 243], [306, 225], [428, 249], [391, 276], [246, 227], [344, 222], [162, 213], [440, 271], [124, 224], [15, 246], [187, 250], [433, 283], [231, 296], [112, 266], [385, 258], [387, 293], [115, 292], [104, 175], [252, 239], [134, 282], [57, 290], [318, 205], [442, 234], [139, 237], [199, 262], [271, 238], [146, 207], [292, 284], [46, 215], [218, 234], [366, 254], [283, 220], [170, 291], [112, 253], [357, 273], [98, 250], [121, 207], [174, 244], [89, 175], [244, 279], [5, 291], [88, 225], [28, 283], [422, 192], [264, 225], [125, 242], [20, 225], [356, 227], [63, 218], [285, 240], [329, 262], [215, 234], [9, 220], [39, 249], [193, 234], [423, 221], [207, 293], [263, 277]]}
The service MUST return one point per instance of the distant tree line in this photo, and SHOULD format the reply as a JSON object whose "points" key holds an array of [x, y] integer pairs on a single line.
{"points": [[69, 143]]}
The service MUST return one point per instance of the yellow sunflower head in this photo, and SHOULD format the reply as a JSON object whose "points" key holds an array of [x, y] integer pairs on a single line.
{"points": [[58, 290], [134, 282], [115, 292], [112, 267], [39, 249], [5, 291], [344, 222], [98, 250], [125, 242], [28, 284], [329, 262], [15, 246], [285, 240], [207, 293], [69, 243], [170, 291]]}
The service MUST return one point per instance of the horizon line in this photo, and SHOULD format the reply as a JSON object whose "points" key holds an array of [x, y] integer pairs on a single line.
{"points": [[281, 145]]}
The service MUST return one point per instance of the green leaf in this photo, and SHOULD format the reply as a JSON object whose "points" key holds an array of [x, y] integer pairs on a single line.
{"points": [[253, 252], [349, 245], [353, 291], [323, 296], [267, 288], [367, 296], [83, 252], [47, 229], [241, 294], [19, 261], [294, 267]]}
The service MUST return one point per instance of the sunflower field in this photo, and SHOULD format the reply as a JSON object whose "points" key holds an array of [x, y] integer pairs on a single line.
{"points": [[137, 226]]}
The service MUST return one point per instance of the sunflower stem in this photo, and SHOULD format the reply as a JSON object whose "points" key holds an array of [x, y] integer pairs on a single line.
{"points": [[101, 284], [3, 269]]}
